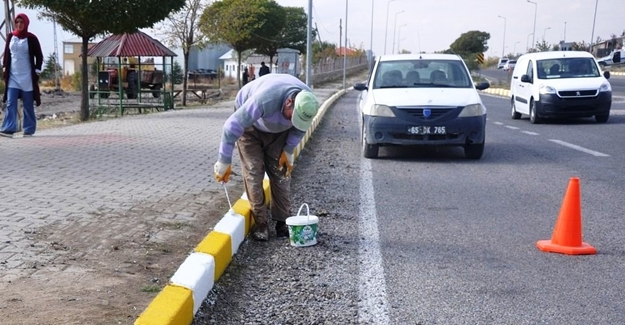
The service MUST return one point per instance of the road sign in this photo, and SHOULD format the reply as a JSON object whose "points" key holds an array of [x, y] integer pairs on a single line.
{"points": [[480, 58]]}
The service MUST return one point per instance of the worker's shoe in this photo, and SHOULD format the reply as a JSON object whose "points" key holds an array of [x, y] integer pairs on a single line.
{"points": [[6, 134], [260, 232], [282, 230]]}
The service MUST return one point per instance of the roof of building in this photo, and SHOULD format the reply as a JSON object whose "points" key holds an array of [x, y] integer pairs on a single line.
{"points": [[135, 44]]}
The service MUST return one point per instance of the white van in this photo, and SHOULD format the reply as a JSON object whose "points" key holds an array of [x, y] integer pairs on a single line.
{"points": [[502, 62], [560, 84]]}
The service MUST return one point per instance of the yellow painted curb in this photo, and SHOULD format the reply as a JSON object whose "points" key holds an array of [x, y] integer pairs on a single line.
{"points": [[219, 246], [173, 305]]}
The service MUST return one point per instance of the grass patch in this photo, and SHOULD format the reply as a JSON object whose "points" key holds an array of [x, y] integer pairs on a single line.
{"points": [[153, 288]]}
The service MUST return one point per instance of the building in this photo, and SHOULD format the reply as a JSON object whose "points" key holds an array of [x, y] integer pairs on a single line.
{"points": [[606, 47], [208, 57], [71, 55], [286, 61]]}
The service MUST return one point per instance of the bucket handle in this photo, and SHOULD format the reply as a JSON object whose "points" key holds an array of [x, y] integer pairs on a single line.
{"points": [[307, 211]]}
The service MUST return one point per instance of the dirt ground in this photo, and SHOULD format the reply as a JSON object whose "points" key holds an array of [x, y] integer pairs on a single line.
{"points": [[124, 268]]}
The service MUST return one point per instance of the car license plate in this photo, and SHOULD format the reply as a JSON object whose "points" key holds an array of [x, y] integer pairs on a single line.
{"points": [[427, 130]]}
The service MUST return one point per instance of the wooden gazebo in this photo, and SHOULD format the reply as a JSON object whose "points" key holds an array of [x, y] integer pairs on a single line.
{"points": [[128, 76]]}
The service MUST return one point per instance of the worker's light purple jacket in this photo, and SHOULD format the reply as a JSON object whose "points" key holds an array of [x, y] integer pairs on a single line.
{"points": [[259, 104]]}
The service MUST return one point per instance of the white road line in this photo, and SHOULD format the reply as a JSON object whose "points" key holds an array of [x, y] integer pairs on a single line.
{"points": [[582, 149], [498, 123], [512, 127], [372, 303], [529, 132]]}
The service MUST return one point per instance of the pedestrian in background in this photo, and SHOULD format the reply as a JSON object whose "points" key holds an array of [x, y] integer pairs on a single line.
{"points": [[21, 64], [272, 115], [246, 76], [263, 69], [252, 72]]}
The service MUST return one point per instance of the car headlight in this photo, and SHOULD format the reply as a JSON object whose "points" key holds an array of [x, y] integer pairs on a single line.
{"points": [[382, 110], [545, 90], [473, 110], [605, 87]]}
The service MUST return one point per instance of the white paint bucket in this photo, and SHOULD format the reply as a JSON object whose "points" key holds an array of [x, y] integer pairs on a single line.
{"points": [[303, 228]]}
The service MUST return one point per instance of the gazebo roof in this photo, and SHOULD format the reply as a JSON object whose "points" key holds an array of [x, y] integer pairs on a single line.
{"points": [[135, 44]]}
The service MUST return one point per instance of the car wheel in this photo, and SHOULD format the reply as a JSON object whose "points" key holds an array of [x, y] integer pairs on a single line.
{"points": [[534, 119], [602, 118], [515, 115], [368, 150], [474, 151]]}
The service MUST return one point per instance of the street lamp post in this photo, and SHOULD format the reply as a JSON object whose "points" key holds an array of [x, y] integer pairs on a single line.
{"points": [[535, 11], [514, 52], [593, 25], [564, 38], [345, 48], [398, 36], [527, 48], [371, 37], [504, 35], [545, 33], [395, 28], [386, 29]]}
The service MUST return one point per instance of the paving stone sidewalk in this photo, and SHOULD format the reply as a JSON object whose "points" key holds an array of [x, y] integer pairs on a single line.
{"points": [[81, 172]]}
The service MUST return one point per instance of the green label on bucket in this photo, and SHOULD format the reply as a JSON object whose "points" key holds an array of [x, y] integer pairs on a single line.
{"points": [[303, 235]]}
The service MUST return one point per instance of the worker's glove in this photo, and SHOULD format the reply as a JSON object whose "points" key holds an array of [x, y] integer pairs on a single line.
{"points": [[222, 172], [286, 159]]}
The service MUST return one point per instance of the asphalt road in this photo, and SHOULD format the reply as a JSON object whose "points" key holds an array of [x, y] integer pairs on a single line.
{"points": [[429, 237], [458, 237]]}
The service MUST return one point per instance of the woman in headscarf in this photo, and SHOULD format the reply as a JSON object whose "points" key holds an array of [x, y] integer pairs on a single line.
{"points": [[21, 66]]}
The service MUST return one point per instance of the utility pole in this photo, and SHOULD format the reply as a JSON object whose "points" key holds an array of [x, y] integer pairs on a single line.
{"points": [[9, 18], [340, 35], [57, 84], [309, 46]]}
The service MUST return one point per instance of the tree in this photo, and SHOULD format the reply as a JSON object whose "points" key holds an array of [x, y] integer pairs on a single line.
{"points": [[468, 45], [176, 74], [181, 30], [543, 46], [52, 68], [471, 42], [323, 50], [240, 24], [293, 34], [88, 19]]}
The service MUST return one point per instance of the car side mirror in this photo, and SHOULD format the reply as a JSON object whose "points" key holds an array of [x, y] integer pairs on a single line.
{"points": [[526, 78], [360, 86], [482, 86], [606, 74], [617, 57]]}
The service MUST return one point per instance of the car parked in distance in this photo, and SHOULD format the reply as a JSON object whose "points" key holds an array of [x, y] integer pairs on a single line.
{"points": [[560, 84], [421, 100], [509, 66], [501, 63]]}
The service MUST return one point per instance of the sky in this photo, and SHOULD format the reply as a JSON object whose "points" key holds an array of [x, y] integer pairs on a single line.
{"points": [[429, 26]]}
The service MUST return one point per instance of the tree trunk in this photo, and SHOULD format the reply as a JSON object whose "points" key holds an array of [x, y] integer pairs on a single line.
{"points": [[238, 68], [84, 102], [271, 63], [185, 54]]}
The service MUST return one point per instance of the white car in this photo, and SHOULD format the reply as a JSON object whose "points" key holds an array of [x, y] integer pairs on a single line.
{"points": [[560, 84], [502, 63], [421, 100], [509, 66]]}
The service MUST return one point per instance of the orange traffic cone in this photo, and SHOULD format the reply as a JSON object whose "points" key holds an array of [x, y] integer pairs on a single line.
{"points": [[567, 235]]}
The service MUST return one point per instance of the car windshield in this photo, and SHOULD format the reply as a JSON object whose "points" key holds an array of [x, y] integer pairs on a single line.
{"points": [[567, 68], [421, 74]]}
